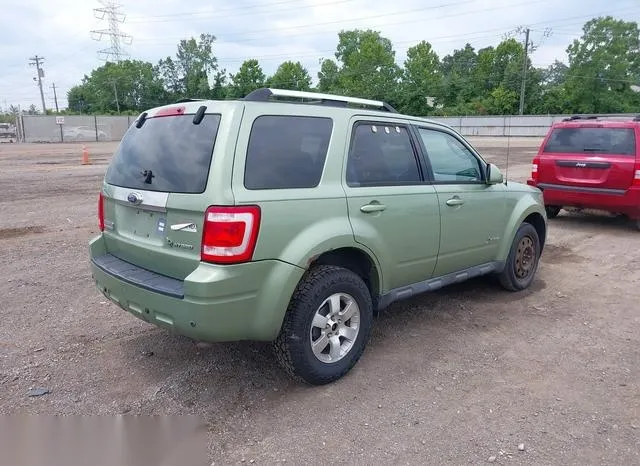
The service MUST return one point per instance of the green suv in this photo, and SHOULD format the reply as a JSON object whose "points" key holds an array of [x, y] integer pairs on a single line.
{"points": [[294, 217]]}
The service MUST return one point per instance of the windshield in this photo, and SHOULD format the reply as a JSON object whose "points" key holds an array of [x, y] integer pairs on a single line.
{"points": [[168, 154]]}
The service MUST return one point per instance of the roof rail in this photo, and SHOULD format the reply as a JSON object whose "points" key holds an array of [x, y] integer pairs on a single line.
{"points": [[637, 118], [263, 95], [581, 117]]}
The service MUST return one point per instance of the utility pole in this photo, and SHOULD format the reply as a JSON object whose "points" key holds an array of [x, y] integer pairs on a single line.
{"points": [[115, 92], [37, 61], [55, 96], [524, 70]]}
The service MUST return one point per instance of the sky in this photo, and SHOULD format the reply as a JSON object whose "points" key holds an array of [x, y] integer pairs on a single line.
{"points": [[271, 31]]}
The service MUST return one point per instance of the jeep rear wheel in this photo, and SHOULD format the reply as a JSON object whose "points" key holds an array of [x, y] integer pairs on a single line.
{"points": [[326, 327], [552, 210], [522, 262]]}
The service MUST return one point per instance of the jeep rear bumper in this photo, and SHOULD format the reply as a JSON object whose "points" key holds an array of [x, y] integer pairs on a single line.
{"points": [[620, 201], [214, 303]]}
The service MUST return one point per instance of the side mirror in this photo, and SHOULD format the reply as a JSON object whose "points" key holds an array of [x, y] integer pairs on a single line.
{"points": [[494, 175]]}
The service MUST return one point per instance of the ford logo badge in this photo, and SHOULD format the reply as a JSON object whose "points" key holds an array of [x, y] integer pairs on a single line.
{"points": [[134, 198]]}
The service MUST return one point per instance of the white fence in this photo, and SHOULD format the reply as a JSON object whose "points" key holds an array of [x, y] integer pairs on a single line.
{"points": [[87, 128], [72, 128]]}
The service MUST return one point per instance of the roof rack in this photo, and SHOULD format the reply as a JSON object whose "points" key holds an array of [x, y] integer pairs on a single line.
{"points": [[581, 117], [263, 95], [187, 99]]}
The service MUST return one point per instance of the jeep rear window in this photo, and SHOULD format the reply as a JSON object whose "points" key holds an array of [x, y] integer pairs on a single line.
{"points": [[287, 152], [615, 141], [167, 154]]}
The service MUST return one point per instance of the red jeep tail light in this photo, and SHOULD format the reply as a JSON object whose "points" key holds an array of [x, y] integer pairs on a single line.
{"points": [[101, 211], [534, 168], [230, 234], [636, 175]]}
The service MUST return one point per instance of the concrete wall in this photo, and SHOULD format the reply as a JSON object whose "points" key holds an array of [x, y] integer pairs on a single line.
{"points": [[528, 125], [40, 128], [75, 128]]}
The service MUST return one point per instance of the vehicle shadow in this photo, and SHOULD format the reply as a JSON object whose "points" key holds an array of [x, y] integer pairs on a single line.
{"points": [[594, 220], [229, 379]]}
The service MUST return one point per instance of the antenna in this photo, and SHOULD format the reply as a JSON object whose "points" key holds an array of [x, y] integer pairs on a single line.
{"points": [[506, 168]]}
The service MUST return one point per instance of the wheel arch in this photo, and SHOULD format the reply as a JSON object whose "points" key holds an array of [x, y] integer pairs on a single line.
{"points": [[525, 211], [359, 262]]}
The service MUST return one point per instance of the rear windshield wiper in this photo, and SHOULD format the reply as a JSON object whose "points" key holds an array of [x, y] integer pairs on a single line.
{"points": [[148, 176]]}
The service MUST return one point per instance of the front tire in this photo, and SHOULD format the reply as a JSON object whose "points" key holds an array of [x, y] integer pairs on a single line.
{"points": [[326, 327], [522, 262]]}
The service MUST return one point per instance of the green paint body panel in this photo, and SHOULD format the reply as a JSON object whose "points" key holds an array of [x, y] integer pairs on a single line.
{"points": [[418, 236]]}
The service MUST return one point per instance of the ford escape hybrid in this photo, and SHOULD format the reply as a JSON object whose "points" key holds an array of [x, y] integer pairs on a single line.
{"points": [[294, 217], [588, 163]]}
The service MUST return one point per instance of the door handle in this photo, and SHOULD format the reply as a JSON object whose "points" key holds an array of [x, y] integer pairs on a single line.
{"points": [[455, 201], [369, 208]]}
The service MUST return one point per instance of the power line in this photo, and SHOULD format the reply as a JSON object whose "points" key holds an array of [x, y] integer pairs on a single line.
{"points": [[263, 32], [36, 61], [216, 14], [111, 12]]}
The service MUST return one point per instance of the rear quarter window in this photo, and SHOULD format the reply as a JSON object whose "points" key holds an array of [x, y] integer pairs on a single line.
{"points": [[287, 152], [176, 152], [614, 141]]}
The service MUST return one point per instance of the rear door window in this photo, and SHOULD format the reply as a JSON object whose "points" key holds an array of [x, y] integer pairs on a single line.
{"points": [[382, 154], [168, 154], [287, 152], [614, 141]]}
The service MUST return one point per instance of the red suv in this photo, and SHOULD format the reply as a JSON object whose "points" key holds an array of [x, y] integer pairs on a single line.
{"points": [[589, 163]]}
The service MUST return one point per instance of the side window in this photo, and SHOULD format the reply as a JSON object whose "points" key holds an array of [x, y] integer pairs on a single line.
{"points": [[450, 160], [381, 154], [287, 152]]}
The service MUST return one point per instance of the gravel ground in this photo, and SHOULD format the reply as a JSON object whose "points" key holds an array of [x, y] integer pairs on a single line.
{"points": [[468, 374]]}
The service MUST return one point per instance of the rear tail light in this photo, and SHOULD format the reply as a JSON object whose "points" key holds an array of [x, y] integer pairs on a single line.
{"points": [[230, 234], [534, 168], [636, 176], [101, 211]]}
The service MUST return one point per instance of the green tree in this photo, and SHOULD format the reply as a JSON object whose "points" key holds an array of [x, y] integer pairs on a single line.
{"points": [[603, 64], [290, 75], [368, 64], [248, 78], [194, 72], [328, 77], [458, 89], [421, 79], [129, 85]]}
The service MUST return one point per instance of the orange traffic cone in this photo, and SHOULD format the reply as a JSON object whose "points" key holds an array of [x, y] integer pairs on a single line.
{"points": [[85, 156]]}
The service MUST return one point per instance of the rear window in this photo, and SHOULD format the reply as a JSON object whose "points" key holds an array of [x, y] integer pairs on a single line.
{"points": [[168, 154], [287, 152], [618, 141]]}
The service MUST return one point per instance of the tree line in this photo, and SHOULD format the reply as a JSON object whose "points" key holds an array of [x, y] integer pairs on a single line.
{"points": [[602, 76]]}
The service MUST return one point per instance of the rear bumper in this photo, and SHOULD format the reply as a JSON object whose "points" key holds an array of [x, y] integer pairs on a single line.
{"points": [[218, 303], [620, 201]]}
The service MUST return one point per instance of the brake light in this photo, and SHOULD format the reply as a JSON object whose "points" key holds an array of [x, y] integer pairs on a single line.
{"points": [[101, 211], [534, 168], [636, 176], [230, 234]]}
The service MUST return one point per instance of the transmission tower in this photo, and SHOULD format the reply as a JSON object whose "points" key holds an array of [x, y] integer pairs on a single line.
{"points": [[110, 12]]}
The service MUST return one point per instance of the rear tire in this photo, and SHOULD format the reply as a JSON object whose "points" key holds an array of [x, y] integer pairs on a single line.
{"points": [[552, 210], [326, 327], [522, 262]]}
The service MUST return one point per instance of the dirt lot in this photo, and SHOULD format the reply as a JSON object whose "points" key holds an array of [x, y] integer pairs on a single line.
{"points": [[458, 376]]}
